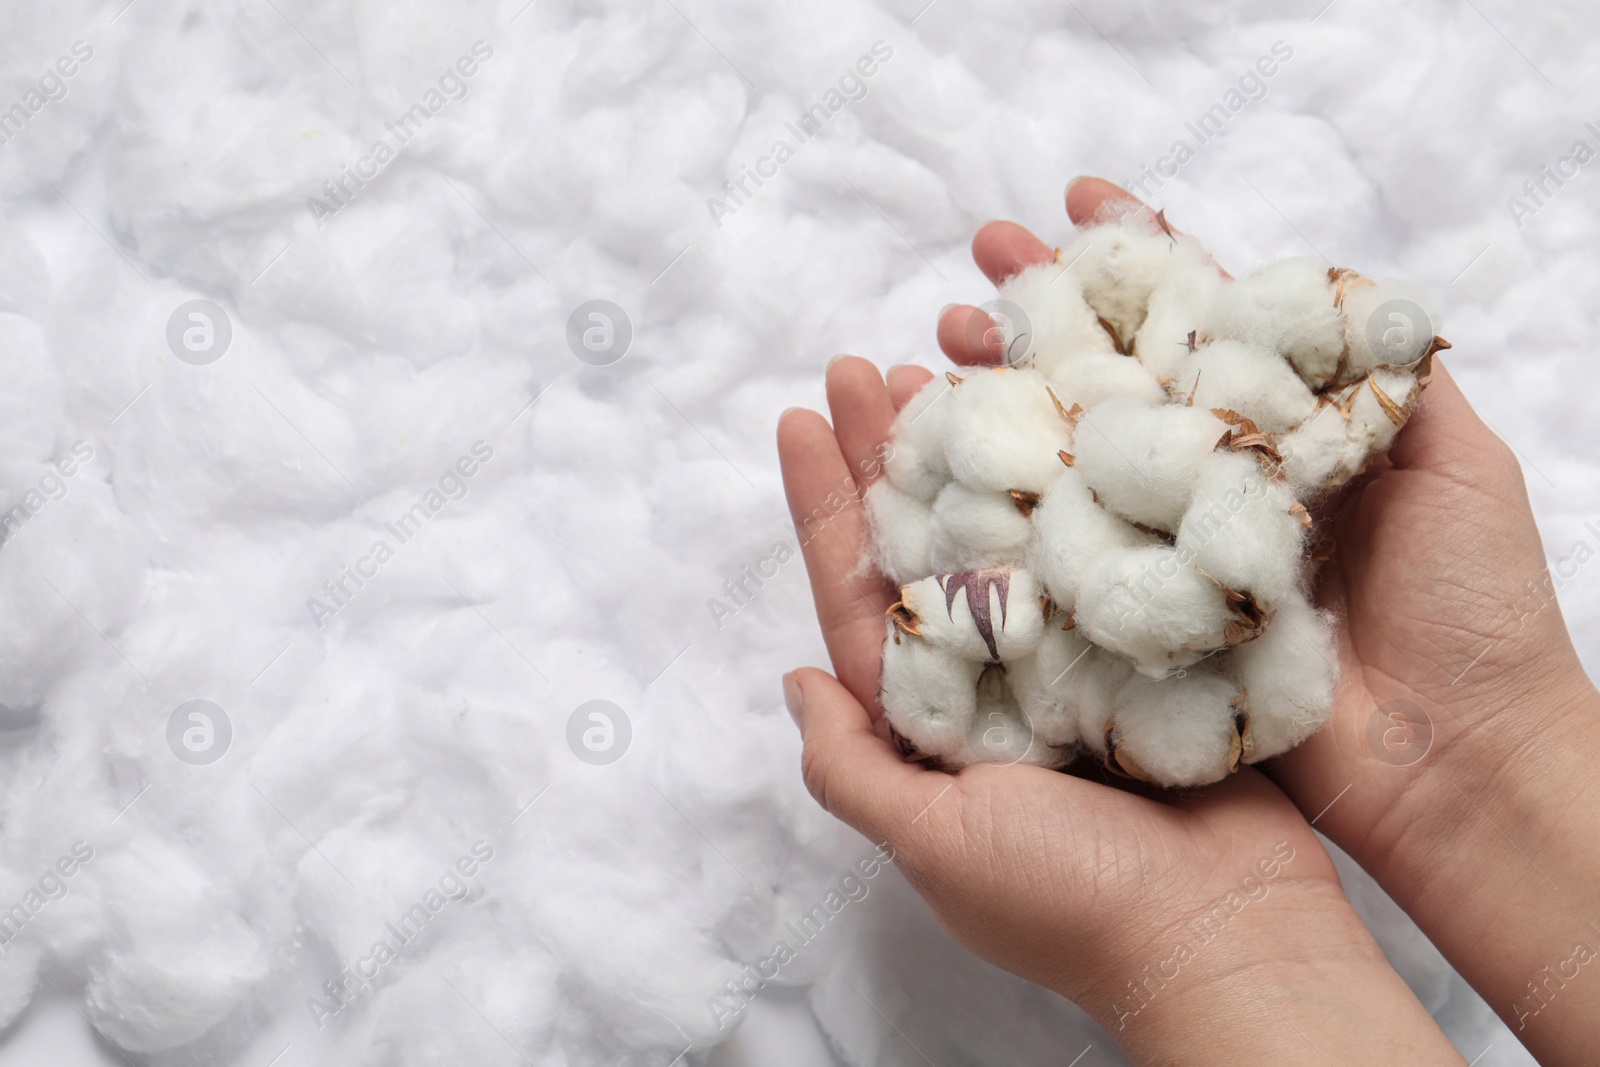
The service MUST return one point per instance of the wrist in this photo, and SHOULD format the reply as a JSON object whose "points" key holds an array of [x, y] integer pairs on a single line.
{"points": [[1293, 979]]}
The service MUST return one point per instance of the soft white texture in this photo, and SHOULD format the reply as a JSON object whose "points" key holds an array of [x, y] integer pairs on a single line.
{"points": [[612, 499], [1142, 461], [1176, 319], [915, 462], [1286, 307], [1256, 382], [1122, 264], [971, 529], [1072, 531], [1288, 674], [1091, 378], [929, 693], [1239, 528], [1003, 431], [1179, 731], [1049, 685], [1386, 313], [1151, 606], [901, 527], [1314, 450], [1062, 324]]}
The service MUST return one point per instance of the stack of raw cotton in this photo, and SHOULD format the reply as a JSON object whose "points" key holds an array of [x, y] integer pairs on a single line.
{"points": [[1105, 543]]}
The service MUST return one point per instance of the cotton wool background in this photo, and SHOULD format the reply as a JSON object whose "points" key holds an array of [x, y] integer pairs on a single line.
{"points": [[626, 541]]}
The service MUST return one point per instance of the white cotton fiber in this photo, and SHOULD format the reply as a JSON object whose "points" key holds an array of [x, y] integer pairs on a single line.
{"points": [[1240, 528], [1313, 451], [1001, 732], [929, 694], [1176, 320], [1178, 731], [1064, 682], [916, 462], [1381, 405], [1091, 378], [1142, 461], [1387, 324], [1121, 265], [970, 529], [1003, 431], [1288, 674], [1060, 323], [900, 527], [1071, 532], [1118, 543], [985, 616], [1285, 307], [1254, 381], [1149, 605]]}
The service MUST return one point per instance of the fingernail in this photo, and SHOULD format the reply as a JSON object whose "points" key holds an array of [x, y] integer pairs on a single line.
{"points": [[793, 696], [946, 309], [1075, 181], [834, 360]]}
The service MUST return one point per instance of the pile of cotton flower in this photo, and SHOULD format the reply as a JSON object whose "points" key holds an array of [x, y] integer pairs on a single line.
{"points": [[1105, 545]]}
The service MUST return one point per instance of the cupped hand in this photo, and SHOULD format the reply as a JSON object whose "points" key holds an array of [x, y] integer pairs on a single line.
{"points": [[1076, 884]]}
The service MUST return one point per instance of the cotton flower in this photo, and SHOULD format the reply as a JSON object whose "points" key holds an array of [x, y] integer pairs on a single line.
{"points": [[1142, 461], [1182, 731], [1003, 431], [975, 528], [915, 462], [1060, 323], [901, 527], [1151, 606], [1242, 528], [1103, 549]]}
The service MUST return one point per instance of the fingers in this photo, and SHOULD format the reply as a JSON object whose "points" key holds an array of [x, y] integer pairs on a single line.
{"points": [[904, 381], [1095, 200], [970, 338], [1002, 249], [831, 526], [850, 770], [862, 415]]}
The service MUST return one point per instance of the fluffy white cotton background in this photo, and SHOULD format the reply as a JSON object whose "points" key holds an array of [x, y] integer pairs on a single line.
{"points": [[370, 353]]}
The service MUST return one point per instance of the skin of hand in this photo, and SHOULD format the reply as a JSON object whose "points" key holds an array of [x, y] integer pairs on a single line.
{"points": [[1208, 925]]}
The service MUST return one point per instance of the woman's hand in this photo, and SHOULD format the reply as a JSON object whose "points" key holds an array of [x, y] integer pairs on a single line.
{"points": [[1208, 925]]}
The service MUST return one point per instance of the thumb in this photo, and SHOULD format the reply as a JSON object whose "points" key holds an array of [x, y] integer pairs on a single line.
{"points": [[852, 772]]}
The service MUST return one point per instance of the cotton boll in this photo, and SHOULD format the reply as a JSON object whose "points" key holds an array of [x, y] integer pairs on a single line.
{"points": [[916, 463], [929, 694], [1313, 451], [1001, 732], [1050, 684], [1177, 311], [1060, 322], [1254, 381], [1072, 531], [1151, 606], [1179, 731], [1286, 307], [971, 529], [1240, 529], [984, 616], [1092, 378], [1142, 462], [1387, 324], [1381, 405], [1003, 431], [1120, 266], [1288, 674], [901, 526]]}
